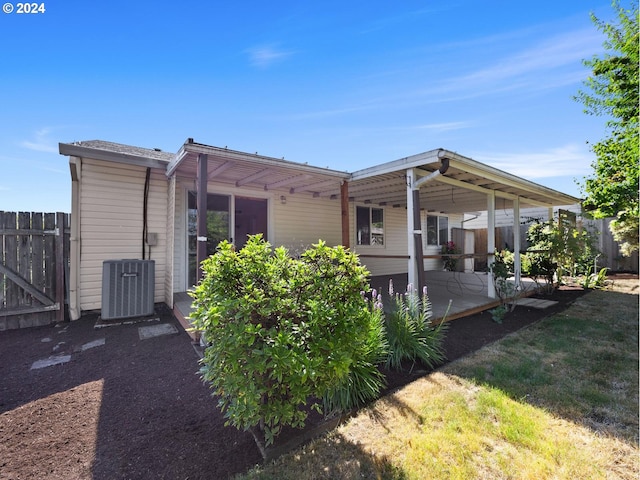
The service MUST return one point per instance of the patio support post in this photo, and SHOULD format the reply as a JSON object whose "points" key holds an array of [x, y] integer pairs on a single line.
{"points": [[417, 242], [416, 264], [517, 264], [344, 206], [412, 267], [491, 242], [201, 203]]}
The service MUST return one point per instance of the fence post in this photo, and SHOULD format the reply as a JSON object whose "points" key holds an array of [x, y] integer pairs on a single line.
{"points": [[60, 266]]}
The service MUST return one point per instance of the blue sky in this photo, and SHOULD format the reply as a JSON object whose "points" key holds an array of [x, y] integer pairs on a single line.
{"points": [[340, 84]]}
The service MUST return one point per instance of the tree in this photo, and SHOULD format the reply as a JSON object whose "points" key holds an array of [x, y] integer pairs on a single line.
{"points": [[612, 191]]}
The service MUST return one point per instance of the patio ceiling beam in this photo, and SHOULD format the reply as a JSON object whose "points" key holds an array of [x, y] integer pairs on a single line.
{"points": [[252, 177], [218, 170], [498, 193], [331, 186], [504, 178], [287, 181]]}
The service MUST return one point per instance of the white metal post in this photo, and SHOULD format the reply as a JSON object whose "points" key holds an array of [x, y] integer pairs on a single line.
{"points": [[516, 242], [491, 242], [412, 267]]}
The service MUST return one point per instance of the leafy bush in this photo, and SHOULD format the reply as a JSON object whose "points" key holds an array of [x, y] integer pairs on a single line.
{"points": [[595, 280], [502, 269], [555, 251], [410, 332], [283, 332]]}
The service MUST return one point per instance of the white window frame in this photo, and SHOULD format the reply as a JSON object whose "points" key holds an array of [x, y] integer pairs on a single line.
{"points": [[373, 242], [439, 240]]}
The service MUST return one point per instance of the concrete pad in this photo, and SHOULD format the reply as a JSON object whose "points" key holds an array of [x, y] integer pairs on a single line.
{"points": [[96, 343], [536, 303], [156, 330], [48, 362]]}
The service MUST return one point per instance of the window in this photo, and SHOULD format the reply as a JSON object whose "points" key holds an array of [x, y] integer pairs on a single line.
{"points": [[369, 226], [437, 230]]}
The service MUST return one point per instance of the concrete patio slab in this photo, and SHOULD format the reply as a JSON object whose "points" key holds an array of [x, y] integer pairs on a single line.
{"points": [[95, 343], [536, 303], [48, 362], [156, 331]]}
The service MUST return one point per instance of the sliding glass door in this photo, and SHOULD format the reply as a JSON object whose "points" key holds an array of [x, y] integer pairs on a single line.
{"points": [[250, 217]]}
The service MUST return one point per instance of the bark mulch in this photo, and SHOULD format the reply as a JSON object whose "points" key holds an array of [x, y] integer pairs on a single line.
{"points": [[125, 407]]}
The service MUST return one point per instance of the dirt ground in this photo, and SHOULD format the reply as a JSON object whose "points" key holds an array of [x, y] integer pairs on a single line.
{"points": [[121, 407]]}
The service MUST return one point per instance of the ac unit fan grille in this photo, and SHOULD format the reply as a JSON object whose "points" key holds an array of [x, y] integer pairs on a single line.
{"points": [[128, 288]]}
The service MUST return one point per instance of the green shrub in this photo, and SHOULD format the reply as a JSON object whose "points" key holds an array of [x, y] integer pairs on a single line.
{"points": [[365, 380], [410, 332], [283, 332], [595, 280], [502, 269], [498, 313]]}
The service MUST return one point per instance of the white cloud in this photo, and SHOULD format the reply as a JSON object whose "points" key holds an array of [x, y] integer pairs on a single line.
{"points": [[566, 161], [535, 67], [444, 127], [41, 142], [266, 55]]}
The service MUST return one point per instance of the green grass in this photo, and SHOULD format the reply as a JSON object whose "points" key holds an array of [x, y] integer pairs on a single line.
{"points": [[557, 400]]}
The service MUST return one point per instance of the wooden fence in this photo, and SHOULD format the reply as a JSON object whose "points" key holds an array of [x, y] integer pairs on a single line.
{"points": [[33, 268]]}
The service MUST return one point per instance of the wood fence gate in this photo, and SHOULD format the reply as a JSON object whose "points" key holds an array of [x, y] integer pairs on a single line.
{"points": [[33, 266]]}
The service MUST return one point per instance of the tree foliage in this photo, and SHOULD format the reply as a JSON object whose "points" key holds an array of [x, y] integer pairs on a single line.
{"points": [[612, 191]]}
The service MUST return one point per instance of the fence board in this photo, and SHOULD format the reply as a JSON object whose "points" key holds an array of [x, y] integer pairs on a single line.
{"points": [[10, 258], [49, 255], [33, 266], [24, 256], [37, 259]]}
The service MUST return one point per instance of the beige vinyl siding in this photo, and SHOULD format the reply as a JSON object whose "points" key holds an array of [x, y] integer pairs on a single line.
{"points": [[395, 242], [303, 220], [111, 217]]}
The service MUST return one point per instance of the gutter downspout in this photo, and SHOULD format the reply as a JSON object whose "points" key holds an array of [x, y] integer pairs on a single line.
{"points": [[416, 267], [75, 165]]}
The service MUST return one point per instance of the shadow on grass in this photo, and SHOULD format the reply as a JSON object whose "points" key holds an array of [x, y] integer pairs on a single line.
{"points": [[330, 457], [580, 364]]}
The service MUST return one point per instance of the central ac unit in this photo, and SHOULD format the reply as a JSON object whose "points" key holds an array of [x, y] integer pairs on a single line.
{"points": [[128, 288]]}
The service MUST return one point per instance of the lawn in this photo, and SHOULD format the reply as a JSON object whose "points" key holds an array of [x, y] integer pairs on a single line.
{"points": [[556, 400]]}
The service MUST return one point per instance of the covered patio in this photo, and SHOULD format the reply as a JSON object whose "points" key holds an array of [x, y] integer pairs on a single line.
{"points": [[441, 182], [451, 294], [404, 195]]}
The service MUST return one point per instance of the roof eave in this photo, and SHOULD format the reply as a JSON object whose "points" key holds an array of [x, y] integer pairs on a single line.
{"points": [[198, 148], [73, 150]]}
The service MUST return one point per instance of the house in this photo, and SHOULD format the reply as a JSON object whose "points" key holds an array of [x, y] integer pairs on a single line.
{"points": [[173, 208]]}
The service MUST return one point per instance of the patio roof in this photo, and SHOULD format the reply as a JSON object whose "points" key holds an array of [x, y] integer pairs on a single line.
{"points": [[244, 169], [463, 188]]}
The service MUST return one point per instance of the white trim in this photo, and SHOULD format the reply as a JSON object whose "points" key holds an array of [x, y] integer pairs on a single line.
{"points": [[491, 242], [355, 232]]}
